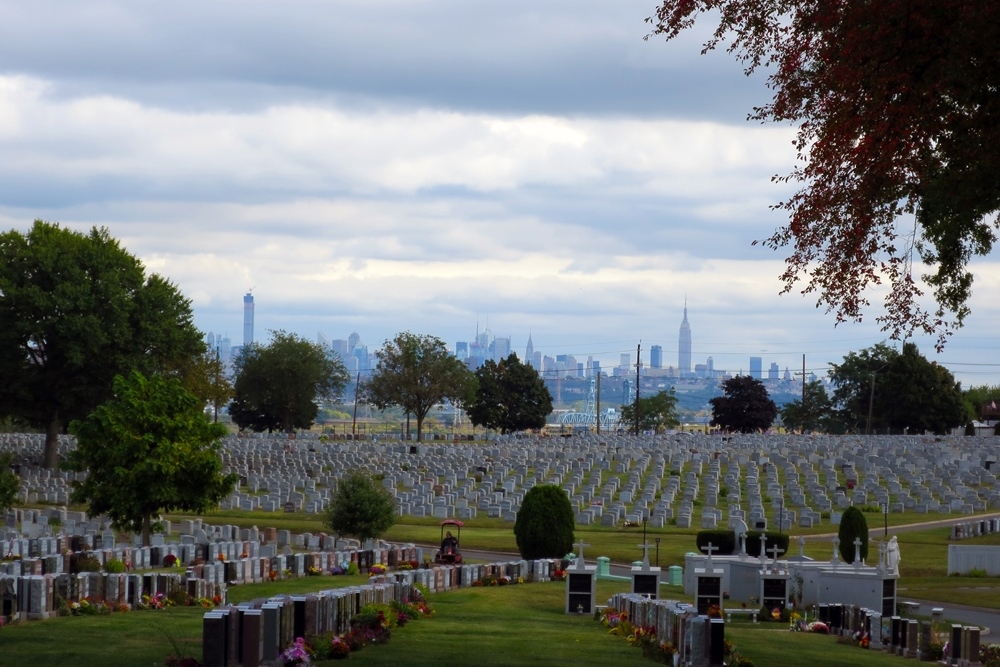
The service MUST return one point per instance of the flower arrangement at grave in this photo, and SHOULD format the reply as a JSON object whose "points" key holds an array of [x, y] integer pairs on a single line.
{"points": [[818, 627], [477, 583], [90, 606], [795, 622], [377, 569], [244, 554], [158, 601], [558, 575], [337, 570], [222, 558], [714, 611], [299, 654], [405, 565], [272, 575], [171, 560], [314, 571], [352, 568], [339, 649]]}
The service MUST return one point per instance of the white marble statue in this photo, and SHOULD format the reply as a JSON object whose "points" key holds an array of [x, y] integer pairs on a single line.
{"points": [[892, 556]]}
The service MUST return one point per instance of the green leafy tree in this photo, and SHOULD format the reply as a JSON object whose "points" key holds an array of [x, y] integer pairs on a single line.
{"points": [[816, 414], [981, 402], [861, 386], [150, 449], [656, 412], [206, 378], [544, 524], [853, 525], [883, 390], [895, 105], [77, 310], [277, 385], [416, 373], [10, 483], [745, 406], [361, 507], [510, 396]]}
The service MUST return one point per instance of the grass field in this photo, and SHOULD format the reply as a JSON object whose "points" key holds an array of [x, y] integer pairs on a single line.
{"points": [[519, 625], [488, 627]]}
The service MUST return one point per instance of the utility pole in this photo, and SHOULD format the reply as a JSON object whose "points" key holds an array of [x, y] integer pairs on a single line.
{"points": [[597, 406], [638, 363], [357, 387]]}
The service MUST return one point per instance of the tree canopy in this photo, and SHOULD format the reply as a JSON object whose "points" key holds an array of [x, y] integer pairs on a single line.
{"points": [[416, 373], [881, 389], [150, 449], [815, 413], [656, 412], [361, 507], [745, 406], [10, 483], [898, 114], [77, 309], [277, 385], [510, 396]]}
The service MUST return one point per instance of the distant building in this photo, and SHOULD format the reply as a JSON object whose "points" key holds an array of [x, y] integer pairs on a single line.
{"points": [[247, 319], [772, 371], [684, 346], [500, 348], [656, 357], [756, 368], [462, 350], [529, 352]]}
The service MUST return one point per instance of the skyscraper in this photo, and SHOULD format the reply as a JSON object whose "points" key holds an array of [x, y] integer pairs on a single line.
{"points": [[247, 319], [529, 351], [684, 346], [756, 368], [656, 357]]}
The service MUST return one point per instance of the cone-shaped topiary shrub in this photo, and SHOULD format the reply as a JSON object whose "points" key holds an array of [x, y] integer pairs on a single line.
{"points": [[544, 524], [853, 525]]}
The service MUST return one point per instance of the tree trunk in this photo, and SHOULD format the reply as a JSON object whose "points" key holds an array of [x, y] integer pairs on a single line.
{"points": [[147, 530], [420, 426], [51, 455]]}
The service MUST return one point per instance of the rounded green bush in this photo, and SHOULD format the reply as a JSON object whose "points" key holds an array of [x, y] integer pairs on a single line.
{"points": [[771, 540], [852, 526], [725, 540], [114, 566], [544, 524]]}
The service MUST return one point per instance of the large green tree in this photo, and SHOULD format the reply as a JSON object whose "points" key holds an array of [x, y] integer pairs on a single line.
{"points": [[77, 309], [277, 385], [361, 507], [981, 401], [416, 373], [814, 412], [884, 390], [745, 406], [149, 449], [10, 483], [898, 114], [206, 378], [656, 412], [510, 396]]}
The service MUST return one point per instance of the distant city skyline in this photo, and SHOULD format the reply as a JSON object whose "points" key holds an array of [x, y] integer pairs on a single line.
{"points": [[610, 357]]}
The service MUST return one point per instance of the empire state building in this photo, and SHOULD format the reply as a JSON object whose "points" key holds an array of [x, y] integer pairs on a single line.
{"points": [[684, 346]]}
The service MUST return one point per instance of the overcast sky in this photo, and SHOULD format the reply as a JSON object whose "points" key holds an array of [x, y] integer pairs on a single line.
{"points": [[387, 165]]}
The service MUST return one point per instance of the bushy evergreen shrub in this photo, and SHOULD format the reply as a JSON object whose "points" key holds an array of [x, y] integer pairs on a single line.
{"points": [[544, 524], [771, 540], [852, 526], [724, 539]]}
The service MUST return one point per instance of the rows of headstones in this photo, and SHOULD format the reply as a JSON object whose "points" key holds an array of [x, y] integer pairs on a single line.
{"points": [[691, 480], [252, 634], [41, 560], [698, 639], [965, 529]]}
